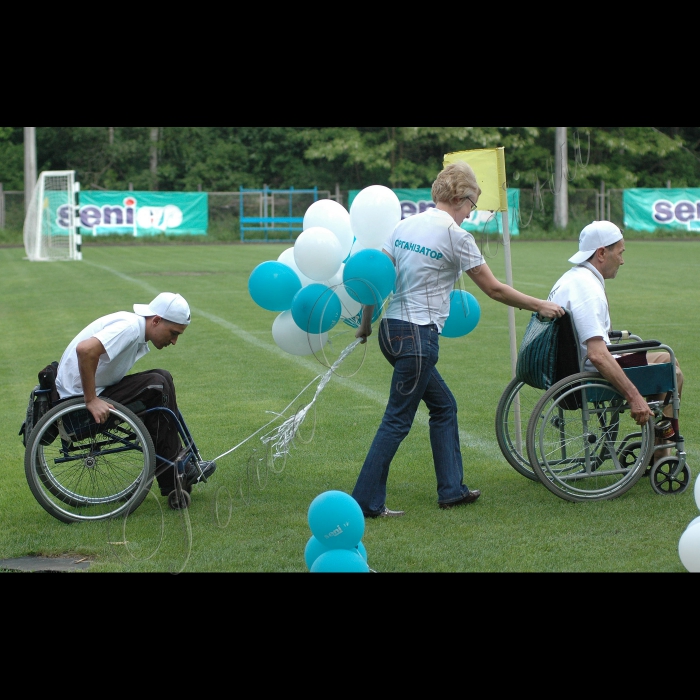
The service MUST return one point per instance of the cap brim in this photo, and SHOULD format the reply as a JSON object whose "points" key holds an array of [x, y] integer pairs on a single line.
{"points": [[143, 310], [581, 257]]}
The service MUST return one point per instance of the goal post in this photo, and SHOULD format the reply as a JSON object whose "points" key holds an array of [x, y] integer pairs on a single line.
{"points": [[52, 222]]}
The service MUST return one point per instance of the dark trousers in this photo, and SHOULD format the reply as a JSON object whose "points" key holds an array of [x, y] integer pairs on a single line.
{"points": [[153, 389]]}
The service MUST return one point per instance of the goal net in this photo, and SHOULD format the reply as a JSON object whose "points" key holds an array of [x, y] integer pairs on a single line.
{"points": [[52, 223]]}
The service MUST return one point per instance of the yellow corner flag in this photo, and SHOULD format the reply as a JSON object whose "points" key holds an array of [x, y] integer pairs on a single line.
{"points": [[490, 168]]}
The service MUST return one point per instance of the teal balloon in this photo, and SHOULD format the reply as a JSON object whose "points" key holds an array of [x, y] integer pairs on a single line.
{"points": [[273, 286], [336, 520], [314, 549], [362, 551], [316, 309], [340, 561], [369, 277], [465, 314]]}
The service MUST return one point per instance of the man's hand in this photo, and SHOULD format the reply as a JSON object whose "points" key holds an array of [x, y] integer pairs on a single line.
{"points": [[99, 410], [640, 411]]}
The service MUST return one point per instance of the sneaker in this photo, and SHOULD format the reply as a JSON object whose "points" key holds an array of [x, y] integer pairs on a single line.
{"points": [[198, 472]]}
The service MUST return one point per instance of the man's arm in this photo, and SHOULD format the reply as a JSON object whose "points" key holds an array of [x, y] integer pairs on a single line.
{"points": [[605, 363], [89, 353]]}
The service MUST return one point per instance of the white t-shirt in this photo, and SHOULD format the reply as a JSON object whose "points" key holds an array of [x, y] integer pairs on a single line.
{"points": [[581, 291], [124, 338], [431, 253]]}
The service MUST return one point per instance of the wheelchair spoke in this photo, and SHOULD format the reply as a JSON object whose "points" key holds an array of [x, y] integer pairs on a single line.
{"points": [[80, 471], [578, 440]]}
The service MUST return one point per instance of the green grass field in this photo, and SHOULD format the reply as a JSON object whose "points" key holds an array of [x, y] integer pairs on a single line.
{"points": [[232, 379]]}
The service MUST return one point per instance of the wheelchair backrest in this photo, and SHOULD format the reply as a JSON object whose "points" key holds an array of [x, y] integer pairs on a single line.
{"points": [[42, 398], [568, 349], [548, 353]]}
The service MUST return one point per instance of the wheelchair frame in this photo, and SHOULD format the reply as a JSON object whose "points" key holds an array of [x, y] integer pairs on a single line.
{"points": [[80, 471], [580, 440]]}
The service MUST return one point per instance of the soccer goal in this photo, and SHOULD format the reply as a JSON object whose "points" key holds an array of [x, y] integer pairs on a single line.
{"points": [[52, 223]]}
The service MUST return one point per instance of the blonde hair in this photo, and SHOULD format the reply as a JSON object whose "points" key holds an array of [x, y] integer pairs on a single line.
{"points": [[455, 184]]}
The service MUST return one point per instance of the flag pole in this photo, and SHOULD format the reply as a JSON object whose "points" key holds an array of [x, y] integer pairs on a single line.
{"points": [[513, 338], [509, 282]]}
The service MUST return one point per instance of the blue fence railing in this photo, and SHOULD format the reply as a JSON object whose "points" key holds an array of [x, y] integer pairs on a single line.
{"points": [[267, 222]]}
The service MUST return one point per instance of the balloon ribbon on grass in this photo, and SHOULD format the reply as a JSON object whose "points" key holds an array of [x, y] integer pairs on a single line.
{"points": [[281, 439]]}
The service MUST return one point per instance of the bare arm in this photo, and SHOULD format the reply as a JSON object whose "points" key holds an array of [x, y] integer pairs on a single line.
{"points": [[89, 353], [365, 329], [484, 279], [605, 363]]}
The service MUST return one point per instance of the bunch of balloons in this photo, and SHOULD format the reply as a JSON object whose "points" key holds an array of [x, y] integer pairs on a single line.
{"points": [[689, 547], [338, 526], [335, 267]]}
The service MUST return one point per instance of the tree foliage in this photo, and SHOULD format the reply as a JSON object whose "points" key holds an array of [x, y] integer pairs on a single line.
{"points": [[225, 158]]}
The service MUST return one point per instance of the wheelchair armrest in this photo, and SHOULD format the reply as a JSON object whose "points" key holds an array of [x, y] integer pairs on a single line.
{"points": [[635, 347]]}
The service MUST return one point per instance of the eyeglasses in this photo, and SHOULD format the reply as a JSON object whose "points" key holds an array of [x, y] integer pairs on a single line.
{"points": [[474, 207]]}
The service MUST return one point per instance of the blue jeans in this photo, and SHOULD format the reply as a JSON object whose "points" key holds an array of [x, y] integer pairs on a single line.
{"points": [[413, 352]]}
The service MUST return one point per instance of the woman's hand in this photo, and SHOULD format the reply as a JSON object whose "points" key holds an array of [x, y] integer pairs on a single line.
{"points": [[550, 310], [365, 329]]}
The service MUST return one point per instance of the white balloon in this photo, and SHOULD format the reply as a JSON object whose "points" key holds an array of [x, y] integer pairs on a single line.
{"points": [[287, 258], [374, 215], [290, 338], [350, 306], [697, 491], [689, 550], [333, 216], [318, 254], [694, 523]]}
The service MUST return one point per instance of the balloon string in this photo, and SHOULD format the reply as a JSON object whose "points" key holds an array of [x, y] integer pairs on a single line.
{"points": [[283, 437]]}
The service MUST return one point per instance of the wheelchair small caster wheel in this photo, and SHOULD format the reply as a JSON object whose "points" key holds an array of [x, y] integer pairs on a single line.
{"points": [[630, 455], [662, 480], [181, 501]]}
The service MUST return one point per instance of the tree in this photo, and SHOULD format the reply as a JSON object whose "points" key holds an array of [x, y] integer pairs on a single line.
{"points": [[12, 157], [227, 158]]}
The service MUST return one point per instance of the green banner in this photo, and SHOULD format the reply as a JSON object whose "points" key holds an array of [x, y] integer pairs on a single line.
{"points": [[417, 201], [652, 210], [144, 213]]}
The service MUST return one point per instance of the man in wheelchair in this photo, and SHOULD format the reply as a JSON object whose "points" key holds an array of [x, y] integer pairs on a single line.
{"points": [[95, 366], [582, 292]]}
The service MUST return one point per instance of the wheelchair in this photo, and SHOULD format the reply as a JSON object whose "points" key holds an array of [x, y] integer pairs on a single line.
{"points": [[80, 471], [579, 439]]}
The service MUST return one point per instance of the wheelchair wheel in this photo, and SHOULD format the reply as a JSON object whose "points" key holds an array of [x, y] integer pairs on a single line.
{"points": [[583, 443], [512, 418], [79, 471], [665, 481]]}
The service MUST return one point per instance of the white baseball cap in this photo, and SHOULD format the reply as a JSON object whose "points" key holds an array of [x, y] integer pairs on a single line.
{"points": [[599, 234], [171, 307]]}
